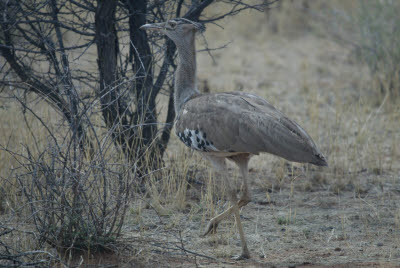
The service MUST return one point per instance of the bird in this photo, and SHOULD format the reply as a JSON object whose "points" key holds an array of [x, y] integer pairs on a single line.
{"points": [[229, 126]]}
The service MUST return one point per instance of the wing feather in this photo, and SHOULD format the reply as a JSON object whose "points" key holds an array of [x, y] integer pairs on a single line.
{"points": [[242, 122]]}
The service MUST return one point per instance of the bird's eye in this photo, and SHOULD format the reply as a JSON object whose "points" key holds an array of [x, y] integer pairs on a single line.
{"points": [[172, 24]]}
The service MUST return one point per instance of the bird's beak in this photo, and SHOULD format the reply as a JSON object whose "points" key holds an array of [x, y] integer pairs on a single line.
{"points": [[153, 26]]}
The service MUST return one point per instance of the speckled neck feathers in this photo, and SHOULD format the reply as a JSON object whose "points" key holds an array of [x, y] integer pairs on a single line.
{"points": [[185, 76]]}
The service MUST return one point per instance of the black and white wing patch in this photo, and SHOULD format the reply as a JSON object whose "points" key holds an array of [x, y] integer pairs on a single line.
{"points": [[196, 140]]}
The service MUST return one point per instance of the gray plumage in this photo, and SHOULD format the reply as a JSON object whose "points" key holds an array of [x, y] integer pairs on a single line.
{"points": [[232, 125], [238, 122]]}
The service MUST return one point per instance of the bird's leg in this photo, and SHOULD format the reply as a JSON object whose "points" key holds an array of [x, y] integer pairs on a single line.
{"points": [[242, 162], [245, 251], [245, 198], [213, 223], [220, 166]]}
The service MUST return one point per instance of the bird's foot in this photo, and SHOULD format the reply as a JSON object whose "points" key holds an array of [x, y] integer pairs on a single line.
{"points": [[211, 227], [243, 256]]}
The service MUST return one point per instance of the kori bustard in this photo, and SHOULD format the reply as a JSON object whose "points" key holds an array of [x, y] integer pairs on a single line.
{"points": [[231, 125]]}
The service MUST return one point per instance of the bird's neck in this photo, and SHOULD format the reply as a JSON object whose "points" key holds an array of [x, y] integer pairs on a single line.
{"points": [[185, 76]]}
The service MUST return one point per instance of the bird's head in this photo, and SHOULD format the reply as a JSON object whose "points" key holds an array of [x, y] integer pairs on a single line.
{"points": [[177, 29]]}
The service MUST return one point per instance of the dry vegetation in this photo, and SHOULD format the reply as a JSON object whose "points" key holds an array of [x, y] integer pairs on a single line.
{"points": [[304, 64]]}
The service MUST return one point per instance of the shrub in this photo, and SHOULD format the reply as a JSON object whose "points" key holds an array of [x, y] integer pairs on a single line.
{"points": [[379, 28]]}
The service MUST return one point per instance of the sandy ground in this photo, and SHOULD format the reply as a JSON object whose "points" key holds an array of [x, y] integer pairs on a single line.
{"points": [[292, 228]]}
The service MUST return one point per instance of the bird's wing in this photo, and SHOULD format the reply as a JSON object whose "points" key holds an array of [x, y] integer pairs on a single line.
{"points": [[241, 122]]}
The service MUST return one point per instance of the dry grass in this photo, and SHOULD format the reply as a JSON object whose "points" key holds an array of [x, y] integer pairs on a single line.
{"points": [[347, 213]]}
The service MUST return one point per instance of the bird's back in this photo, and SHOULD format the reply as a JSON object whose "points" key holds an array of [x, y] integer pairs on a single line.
{"points": [[237, 122]]}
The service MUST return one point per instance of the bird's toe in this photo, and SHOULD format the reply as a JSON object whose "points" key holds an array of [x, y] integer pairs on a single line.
{"points": [[211, 228]]}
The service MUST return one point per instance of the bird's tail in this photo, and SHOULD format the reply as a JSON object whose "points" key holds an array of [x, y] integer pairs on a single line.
{"points": [[319, 160]]}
